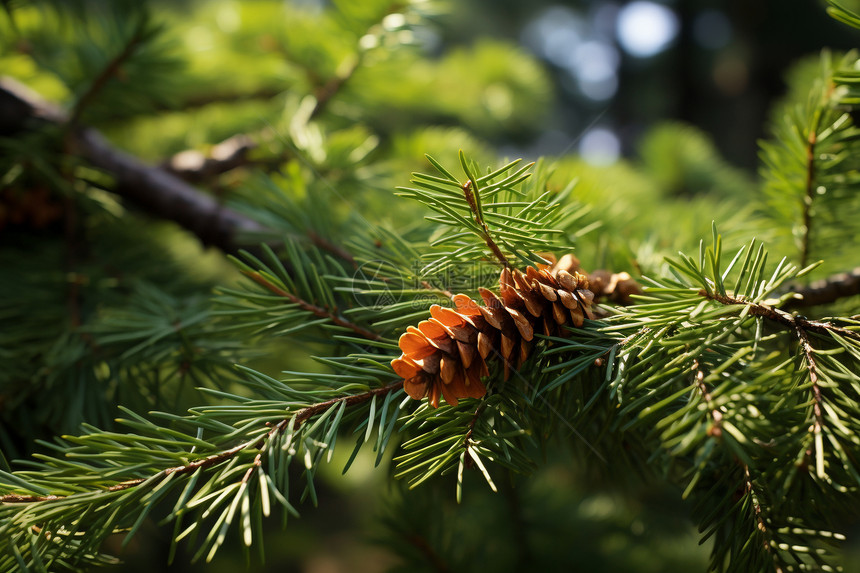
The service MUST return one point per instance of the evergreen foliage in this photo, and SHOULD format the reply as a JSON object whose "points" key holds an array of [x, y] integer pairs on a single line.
{"points": [[706, 385]]}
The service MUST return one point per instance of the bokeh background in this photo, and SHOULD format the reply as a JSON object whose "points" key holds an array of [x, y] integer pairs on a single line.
{"points": [[619, 68]]}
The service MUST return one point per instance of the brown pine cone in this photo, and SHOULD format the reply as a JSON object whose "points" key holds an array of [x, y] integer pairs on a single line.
{"points": [[447, 355]]}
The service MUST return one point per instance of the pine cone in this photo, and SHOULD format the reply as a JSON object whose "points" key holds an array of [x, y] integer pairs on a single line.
{"points": [[447, 355]]}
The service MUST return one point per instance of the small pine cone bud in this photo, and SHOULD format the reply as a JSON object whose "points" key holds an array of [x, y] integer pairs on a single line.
{"points": [[615, 287], [446, 356]]}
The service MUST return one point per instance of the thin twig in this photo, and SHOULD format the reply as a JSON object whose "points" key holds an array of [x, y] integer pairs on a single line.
{"points": [[109, 71], [716, 428], [759, 516], [473, 205], [442, 291], [817, 398], [326, 93], [312, 308], [332, 248], [334, 85], [782, 317], [472, 422], [210, 98], [429, 553], [306, 413], [809, 196], [13, 498]]}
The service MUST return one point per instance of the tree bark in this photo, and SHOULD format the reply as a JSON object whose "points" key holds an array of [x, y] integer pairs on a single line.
{"points": [[150, 188]]}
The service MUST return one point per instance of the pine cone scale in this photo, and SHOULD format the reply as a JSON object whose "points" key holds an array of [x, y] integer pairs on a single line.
{"points": [[415, 387], [534, 304], [507, 346], [467, 352], [415, 346], [567, 299], [493, 316], [485, 345], [558, 313], [521, 322], [440, 342], [547, 291], [447, 369], [403, 368], [466, 306]]}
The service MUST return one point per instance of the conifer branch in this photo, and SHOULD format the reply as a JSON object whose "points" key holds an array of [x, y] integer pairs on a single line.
{"points": [[786, 319], [309, 307], [806, 163], [299, 418]]}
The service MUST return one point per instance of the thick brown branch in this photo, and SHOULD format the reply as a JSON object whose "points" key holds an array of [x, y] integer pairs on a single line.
{"points": [[195, 166], [159, 190], [151, 188], [827, 290], [20, 107], [165, 195], [312, 308]]}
